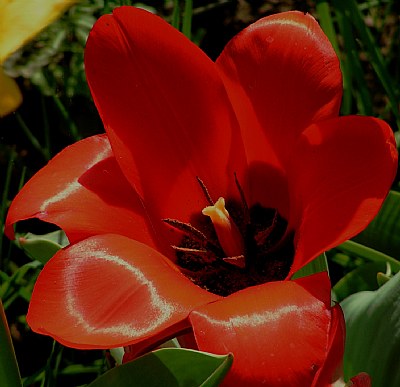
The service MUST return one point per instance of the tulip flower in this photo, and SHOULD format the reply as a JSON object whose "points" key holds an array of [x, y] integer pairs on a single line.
{"points": [[20, 21], [214, 183]]}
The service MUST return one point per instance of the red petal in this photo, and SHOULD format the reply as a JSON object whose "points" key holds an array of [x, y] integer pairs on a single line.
{"points": [[332, 367], [83, 191], [361, 380], [319, 285], [281, 74], [109, 291], [277, 333], [341, 172], [165, 110]]}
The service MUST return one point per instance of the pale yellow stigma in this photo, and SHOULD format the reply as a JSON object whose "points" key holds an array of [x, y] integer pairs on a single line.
{"points": [[228, 234]]}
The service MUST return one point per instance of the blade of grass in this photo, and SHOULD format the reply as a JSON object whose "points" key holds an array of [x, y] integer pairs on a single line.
{"points": [[72, 126], [52, 366], [9, 372], [354, 14], [361, 92], [46, 126], [326, 21], [187, 19], [3, 207], [176, 15], [4, 200], [32, 139]]}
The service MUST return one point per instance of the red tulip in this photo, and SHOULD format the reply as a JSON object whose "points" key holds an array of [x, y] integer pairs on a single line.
{"points": [[259, 129]]}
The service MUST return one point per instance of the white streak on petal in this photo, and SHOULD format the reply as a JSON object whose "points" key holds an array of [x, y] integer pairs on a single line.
{"points": [[67, 191], [159, 310], [260, 319], [70, 187]]}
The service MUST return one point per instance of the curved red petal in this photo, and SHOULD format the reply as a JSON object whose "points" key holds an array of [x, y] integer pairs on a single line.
{"points": [[282, 75], [341, 172], [277, 332], [109, 291], [165, 110], [319, 285], [361, 380], [332, 368], [83, 191]]}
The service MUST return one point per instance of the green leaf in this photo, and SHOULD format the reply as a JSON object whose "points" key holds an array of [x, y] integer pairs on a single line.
{"points": [[9, 372], [315, 266], [20, 284], [373, 334], [169, 367], [362, 278], [42, 247], [383, 233], [353, 248]]}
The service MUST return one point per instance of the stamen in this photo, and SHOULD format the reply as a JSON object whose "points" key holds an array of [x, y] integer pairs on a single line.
{"points": [[205, 191], [188, 250], [262, 236], [246, 212], [239, 261], [228, 234], [186, 228]]}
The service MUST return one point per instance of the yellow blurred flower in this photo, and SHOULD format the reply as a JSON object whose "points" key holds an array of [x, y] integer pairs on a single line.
{"points": [[20, 21]]}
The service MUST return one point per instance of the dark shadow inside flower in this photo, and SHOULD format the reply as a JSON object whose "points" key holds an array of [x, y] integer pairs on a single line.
{"points": [[263, 249], [268, 186]]}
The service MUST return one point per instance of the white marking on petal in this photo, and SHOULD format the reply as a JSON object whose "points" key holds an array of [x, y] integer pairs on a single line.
{"points": [[160, 310], [257, 319], [71, 187], [289, 22], [67, 191]]}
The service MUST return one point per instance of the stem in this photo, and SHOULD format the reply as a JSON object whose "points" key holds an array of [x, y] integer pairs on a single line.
{"points": [[368, 253]]}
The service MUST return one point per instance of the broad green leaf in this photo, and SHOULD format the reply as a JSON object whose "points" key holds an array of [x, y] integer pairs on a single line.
{"points": [[362, 278], [42, 247], [373, 334], [383, 233], [169, 367]]}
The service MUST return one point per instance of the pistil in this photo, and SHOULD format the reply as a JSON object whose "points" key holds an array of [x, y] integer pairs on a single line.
{"points": [[228, 233]]}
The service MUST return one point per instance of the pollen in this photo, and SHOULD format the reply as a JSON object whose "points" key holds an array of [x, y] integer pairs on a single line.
{"points": [[228, 233]]}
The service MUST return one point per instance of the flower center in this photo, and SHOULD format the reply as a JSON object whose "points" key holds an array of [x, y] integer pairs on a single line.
{"points": [[233, 247]]}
